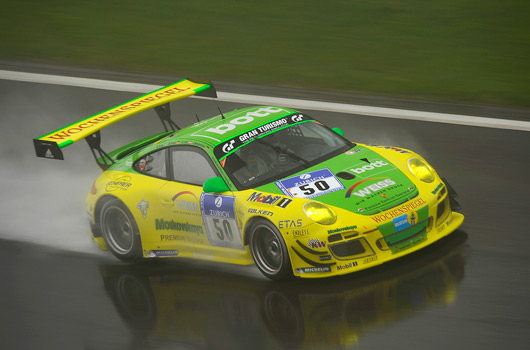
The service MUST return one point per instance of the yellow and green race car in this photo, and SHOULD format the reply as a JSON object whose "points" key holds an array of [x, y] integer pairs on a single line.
{"points": [[265, 185]]}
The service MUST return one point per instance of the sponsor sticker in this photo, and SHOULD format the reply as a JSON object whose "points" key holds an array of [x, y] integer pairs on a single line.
{"points": [[375, 166], [143, 206], [300, 233], [310, 185], [440, 185], [403, 209], [346, 266], [315, 269], [172, 225], [186, 203], [278, 201], [393, 149], [260, 212], [121, 183], [289, 223], [361, 190], [370, 259], [203, 255], [230, 145], [342, 229], [219, 217], [405, 221], [155, 253], [316, 243]]}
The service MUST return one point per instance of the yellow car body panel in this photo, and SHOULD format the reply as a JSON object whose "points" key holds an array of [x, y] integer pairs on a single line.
{"points": [[170, 219]]}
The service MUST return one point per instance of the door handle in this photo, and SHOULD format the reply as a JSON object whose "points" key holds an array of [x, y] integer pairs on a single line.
{"points": [[166, 202]]}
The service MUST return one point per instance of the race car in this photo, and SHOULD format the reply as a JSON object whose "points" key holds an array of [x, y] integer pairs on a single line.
{"points": [[261, 185]]}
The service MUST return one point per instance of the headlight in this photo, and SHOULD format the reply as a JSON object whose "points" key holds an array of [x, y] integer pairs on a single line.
{"points": [[320, 213], [420, 169]]}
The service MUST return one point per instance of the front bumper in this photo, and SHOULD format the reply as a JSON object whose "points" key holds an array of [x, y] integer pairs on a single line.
{"points": [[365, 245]]}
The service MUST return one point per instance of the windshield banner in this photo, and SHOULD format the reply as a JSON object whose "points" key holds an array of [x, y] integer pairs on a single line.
{"points": [[229, 146]]}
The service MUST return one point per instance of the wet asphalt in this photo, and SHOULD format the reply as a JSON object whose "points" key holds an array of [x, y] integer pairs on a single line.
{"points": [[469, 291]]}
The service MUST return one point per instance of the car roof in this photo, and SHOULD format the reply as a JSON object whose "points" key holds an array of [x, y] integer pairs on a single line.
{"points": [[213, 131]]}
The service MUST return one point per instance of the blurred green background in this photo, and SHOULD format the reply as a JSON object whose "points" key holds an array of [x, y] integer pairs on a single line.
{"points": [[459, 51]]}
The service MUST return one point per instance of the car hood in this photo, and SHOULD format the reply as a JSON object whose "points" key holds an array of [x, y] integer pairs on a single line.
{"points": [[359, 180]]}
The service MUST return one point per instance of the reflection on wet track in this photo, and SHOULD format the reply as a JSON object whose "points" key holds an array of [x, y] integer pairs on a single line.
{"points": [[173, 303]]}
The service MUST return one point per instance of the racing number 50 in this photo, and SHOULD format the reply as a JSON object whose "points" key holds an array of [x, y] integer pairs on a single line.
{"points": [[225, 230], [309, 190]]}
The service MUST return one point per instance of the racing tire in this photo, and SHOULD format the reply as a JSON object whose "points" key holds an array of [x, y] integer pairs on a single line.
{"points": [[120, 231], [269, 251]]}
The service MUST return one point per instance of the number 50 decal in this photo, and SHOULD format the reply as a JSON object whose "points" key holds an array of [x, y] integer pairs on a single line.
{"points": [[310, 185], [310, 188], [219, 217], [224, 230]]}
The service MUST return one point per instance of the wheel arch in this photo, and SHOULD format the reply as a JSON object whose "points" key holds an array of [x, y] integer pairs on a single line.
{"points": [[96, 226], [284, 271], [248, 227]]}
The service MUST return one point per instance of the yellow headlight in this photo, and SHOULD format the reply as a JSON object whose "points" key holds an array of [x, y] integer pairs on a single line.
{"points": [[420, 169], [320, 213]]}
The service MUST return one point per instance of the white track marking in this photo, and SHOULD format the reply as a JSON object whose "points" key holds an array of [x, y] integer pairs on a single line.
{"points": [[287, 102]]}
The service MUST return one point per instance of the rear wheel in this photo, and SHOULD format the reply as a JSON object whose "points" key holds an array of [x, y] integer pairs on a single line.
{"points": [[269, 250], [120, 231]]}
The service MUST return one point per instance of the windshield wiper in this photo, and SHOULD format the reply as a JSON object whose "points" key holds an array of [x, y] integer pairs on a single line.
{"points": [[282, 151]]}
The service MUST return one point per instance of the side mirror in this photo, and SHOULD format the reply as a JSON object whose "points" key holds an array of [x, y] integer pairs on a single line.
{"points": [[338, 131], [215, 185]]}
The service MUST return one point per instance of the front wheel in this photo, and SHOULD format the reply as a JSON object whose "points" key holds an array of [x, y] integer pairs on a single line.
{"points": [[269, 250], [120, 231]]}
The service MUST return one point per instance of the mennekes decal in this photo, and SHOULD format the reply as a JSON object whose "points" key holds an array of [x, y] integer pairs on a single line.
{"points": [[233, 144]]}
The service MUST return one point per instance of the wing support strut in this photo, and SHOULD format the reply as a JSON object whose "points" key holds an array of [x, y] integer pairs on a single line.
{"points": [[102, 158], [164, 113]]}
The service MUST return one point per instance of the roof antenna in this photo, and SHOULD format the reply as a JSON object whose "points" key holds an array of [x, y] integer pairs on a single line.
{"points": [[197, 116], [222, 115]]}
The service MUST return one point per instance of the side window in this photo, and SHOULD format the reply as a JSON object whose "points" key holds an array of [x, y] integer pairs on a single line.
{"points": [[153, 164], [191, 166]]}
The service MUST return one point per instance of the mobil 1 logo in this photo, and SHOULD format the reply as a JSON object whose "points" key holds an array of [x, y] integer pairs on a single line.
{"points": [[219, 217]]}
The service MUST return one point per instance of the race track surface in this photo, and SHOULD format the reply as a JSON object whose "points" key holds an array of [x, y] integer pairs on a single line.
{"points": [[469, 291]]}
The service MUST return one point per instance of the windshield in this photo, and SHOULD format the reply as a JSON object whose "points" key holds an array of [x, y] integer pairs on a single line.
{"points": [[282, 153]]}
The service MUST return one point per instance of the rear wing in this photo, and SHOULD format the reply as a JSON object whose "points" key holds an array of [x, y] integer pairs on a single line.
{"points": [[50, 145]]}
